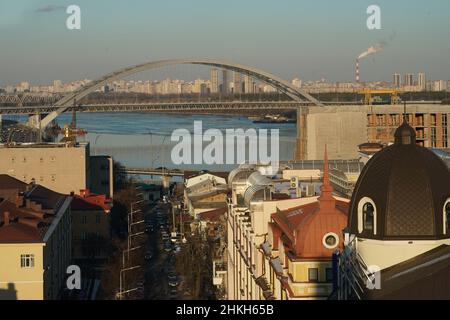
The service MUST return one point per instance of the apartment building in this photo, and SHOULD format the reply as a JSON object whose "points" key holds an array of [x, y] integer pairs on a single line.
{"points": [[90, 225], [204, 192], [265, 217], [35, 241], [60, 167]]}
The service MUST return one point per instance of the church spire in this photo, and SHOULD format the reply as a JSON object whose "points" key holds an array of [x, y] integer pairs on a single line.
{"points": [[326, 198]]}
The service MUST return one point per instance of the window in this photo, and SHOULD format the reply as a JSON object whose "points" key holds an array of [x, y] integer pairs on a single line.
{"points": [[368, 216], [447, 217], [444, 131], [313, 274], [433, 137], [24, 159], [330, 240], [53, 177], [27, 260], [83, 236], [98, 218], [84, 219], [329, 274]]}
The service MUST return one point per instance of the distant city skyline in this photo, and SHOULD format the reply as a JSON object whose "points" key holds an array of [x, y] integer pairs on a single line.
{"points": [[310, 40], [240, 84]]}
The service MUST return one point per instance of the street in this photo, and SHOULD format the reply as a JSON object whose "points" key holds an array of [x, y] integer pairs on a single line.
{"points": [[162, 264]]}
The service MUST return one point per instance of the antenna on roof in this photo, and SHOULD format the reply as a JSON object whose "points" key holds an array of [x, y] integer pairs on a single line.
{"points": [[404, 112]]}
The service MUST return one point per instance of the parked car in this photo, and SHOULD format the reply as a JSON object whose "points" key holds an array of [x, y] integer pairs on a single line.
{"points": [[173, 280], [176, 249], [149, 229], [173, 294], [167, 247]]}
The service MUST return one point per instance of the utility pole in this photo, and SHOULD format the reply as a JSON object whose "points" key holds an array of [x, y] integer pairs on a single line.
{"points": [[121, 292], [173, 219]]}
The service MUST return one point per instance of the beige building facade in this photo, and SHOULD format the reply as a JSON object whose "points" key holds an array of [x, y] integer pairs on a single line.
{"points": [[56, 166], [60, 167]]}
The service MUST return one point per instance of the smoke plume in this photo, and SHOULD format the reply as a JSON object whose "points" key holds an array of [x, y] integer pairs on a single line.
{"points": [[372, 50]]}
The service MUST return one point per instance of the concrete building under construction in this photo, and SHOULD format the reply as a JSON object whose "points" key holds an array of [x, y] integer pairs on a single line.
{"points": [[344, 128]]}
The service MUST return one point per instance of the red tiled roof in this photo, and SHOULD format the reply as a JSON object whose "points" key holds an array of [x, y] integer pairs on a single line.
{"points": [[305, 226], [49, 199], [8, 182], [25, 225], [28, 211], [90, 202]]}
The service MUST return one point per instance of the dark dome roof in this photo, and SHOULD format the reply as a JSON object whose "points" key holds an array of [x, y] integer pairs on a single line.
{"points": [[405, 134], [409, 185]]}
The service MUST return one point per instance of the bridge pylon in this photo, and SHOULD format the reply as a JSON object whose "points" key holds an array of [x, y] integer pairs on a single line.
{"points": [[301, 143]]}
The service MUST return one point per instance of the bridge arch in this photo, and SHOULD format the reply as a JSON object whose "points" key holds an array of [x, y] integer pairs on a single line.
{"points": [[295, 93]]}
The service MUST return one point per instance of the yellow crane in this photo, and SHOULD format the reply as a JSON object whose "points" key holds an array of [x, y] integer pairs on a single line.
{"points": [[395, 99]]}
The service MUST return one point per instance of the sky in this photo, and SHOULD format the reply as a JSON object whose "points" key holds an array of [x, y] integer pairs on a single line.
{"points": [[311, 39]]}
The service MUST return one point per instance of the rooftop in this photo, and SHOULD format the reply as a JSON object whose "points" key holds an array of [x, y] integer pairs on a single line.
{"points": [[32, 145], [26, 211]]}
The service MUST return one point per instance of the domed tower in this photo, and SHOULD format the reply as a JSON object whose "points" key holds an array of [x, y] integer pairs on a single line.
{"points": [[400, 207]]}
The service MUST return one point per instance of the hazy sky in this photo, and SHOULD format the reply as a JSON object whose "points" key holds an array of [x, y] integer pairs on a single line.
{"points": [[290, 38]]}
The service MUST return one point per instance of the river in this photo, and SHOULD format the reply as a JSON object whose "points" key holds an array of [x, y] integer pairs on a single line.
{"points": [[144, 139]]}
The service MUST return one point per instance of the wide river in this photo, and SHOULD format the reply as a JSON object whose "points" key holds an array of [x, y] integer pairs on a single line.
{"points": [[144, 139]]}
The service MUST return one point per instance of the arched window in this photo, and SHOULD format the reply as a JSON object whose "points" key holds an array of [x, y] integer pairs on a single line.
{"points": [[367, 216], [447, 217]]}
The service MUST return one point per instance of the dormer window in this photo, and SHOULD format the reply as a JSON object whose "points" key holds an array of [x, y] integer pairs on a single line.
{"points": [[367, 216], [368, 211], [446, 217]]}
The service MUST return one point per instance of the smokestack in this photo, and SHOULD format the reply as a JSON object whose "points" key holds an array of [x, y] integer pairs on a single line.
{"points": [[357, 70], [370, 51]]}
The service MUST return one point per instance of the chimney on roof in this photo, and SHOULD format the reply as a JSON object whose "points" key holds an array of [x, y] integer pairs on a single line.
{"points": [[85, 193], [19, 199], [6, 218]]}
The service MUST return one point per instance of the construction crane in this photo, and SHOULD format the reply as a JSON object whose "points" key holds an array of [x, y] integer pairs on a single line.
{"points": [[70, 131], [394, 93]]}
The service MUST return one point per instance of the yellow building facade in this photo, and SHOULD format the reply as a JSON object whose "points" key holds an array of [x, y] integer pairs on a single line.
{"points": [[35, 244]]}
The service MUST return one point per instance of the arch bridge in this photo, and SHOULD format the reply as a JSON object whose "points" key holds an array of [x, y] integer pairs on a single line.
{"points": [[68, 101]]}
